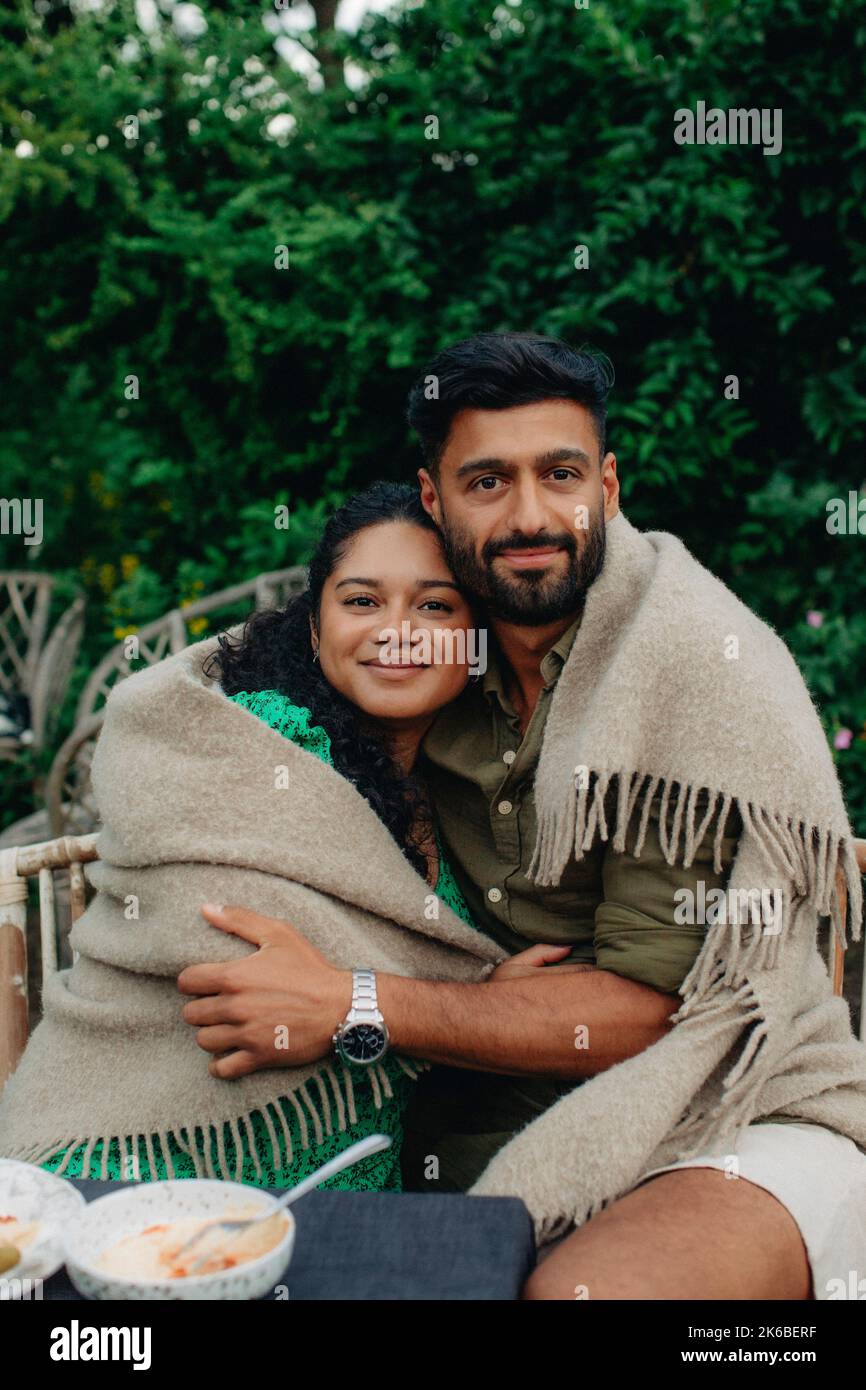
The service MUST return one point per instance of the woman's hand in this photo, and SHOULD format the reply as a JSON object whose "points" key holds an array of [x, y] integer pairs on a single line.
{"points": [[529, 962]]}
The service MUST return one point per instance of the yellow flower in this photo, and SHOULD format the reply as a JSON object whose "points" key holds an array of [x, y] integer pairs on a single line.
{"points": [[128, 565], [107, 578], [197, 625]]}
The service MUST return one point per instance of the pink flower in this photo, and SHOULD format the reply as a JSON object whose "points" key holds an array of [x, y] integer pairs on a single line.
{"points": [[814, 618], [843, 739]]}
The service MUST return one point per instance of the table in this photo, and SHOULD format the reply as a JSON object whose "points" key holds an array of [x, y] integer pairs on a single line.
{"points": [[372, 1246]]}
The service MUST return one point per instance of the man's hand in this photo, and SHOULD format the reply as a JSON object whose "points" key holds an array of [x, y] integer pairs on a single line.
{"points": [[276, 1008], [528, 963], [281, 1005]]}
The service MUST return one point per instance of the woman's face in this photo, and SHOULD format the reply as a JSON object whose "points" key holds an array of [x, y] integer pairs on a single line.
{"points": [[394, 629]]}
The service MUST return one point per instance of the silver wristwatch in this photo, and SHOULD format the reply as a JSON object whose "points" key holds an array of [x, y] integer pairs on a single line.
{"points": [[362, 1037]]}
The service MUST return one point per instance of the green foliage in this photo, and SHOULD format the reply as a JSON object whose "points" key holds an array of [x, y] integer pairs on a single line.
{"points": [[155, 258]]}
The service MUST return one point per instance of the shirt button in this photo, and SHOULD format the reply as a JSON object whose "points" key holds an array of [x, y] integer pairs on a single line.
{"points": [[494, 894], [504, 808], [509, 755]]}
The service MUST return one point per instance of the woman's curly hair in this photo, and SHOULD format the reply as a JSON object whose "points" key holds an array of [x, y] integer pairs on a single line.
{"points": [[274, 652]]}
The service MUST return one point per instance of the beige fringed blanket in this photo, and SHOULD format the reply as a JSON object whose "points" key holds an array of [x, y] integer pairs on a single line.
{"points": [[202, 801], [673, 683]]}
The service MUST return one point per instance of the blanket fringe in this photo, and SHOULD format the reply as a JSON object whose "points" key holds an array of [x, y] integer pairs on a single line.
{"points": [[412, 1068], [251, 1143], [276, 1148], [333, 1110], [280, 1115], [809, 864], [813, 856], [700, 1128]]}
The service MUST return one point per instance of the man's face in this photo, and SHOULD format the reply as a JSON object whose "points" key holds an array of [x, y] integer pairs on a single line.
{"points": [[522, 499]]}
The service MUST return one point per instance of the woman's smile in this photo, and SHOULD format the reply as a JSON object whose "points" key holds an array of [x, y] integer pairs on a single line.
{"points": [[395, 670], [394, 626]]}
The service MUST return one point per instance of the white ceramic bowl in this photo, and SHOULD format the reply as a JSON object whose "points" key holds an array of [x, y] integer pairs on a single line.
{"points": [[109, 1219], [30, 1193]]}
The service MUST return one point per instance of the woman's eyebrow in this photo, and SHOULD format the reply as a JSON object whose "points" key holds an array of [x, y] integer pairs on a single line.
{"points": [[422, 583]]}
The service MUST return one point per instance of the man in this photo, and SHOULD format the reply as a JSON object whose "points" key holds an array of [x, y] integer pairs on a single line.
{"points": [[506, 487], [520, 482]]}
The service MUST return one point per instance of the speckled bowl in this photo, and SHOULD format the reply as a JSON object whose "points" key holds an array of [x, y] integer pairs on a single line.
{"points": [[32, 1194], [127, 1212]]}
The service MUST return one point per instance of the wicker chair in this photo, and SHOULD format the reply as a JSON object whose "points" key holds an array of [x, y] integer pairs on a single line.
{"points": [[68, 795], [68, 852], [17, 866], [34, 666]]}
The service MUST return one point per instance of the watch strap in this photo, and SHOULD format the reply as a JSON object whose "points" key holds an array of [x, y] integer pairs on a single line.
{"points": [[365, 1004]]}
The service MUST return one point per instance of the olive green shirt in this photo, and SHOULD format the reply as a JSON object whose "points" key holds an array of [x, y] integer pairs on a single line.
{"points": [[617, 912]]}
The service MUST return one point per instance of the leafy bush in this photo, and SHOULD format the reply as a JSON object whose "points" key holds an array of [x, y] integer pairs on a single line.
{"points": [[154, 257]]}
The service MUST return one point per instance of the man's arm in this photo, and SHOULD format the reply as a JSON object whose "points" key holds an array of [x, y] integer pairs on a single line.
{"points": [[561, 1025], [556, 1023]]}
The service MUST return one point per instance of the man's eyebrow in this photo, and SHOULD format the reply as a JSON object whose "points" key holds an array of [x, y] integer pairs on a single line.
{"points": [[552, 457], [422, 583], [565, 455]]}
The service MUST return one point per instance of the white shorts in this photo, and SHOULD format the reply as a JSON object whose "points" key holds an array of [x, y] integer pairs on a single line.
{"points": [[820, 1176]]}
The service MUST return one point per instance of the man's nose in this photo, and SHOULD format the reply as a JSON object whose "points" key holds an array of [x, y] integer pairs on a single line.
{"points": [[527, 513]]}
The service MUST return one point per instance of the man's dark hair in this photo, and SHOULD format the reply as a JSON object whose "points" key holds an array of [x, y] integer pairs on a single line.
{"points": [[494, 371]]}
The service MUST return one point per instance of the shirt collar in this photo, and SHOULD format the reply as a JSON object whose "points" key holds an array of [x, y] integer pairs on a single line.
{"points": [[551, 665]]}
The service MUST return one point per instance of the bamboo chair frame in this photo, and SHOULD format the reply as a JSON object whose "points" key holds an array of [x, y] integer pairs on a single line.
{"points": [[34, 662], [67, 792], [16, 867]]}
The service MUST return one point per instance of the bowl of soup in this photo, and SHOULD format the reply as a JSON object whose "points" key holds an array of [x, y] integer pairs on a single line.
{"points": [[128, 1244]]}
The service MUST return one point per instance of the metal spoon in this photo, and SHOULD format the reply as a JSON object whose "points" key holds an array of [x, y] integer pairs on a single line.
{"points": [[373, 1143]]}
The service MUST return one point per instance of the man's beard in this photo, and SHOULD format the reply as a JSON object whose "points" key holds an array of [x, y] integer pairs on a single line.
{"points": [[527, 598]]}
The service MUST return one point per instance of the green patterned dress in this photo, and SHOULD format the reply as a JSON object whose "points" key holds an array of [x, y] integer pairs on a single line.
{"points": [[381, 1171]]}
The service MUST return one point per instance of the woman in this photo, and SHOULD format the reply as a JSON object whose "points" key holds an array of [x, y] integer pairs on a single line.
{"points": [[323, 674]]}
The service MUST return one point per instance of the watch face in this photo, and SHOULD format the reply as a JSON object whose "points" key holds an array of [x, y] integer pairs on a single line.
{"points": [[363, 1042]]}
